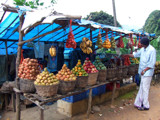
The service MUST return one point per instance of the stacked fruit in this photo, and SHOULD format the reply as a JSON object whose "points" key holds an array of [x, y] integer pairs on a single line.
{"points": [[157, 67], [98, 64], [99, 41], [70, 43], [89, 67], [78, 70], [65, 74], [46, 78], [107, 44], [113, 43], [52, 51], [86, 45], [135, 60], [29, 69]]}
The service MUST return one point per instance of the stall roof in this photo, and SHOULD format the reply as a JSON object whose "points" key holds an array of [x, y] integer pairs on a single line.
{"points": [[51, 20]]}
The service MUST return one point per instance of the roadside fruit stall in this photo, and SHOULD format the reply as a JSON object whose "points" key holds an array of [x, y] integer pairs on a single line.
{"points": [[41, 86]]}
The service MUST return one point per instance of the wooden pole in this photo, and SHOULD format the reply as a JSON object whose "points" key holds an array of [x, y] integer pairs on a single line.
{"points": [[89, 103], [6, 61], [41, 114], [114, 13], [113, 93], [18, 107]]}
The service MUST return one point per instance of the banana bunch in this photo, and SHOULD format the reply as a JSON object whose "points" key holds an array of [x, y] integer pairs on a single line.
{"points": [[135, 60], [99, 41], [52, 51], [113, 43], [86, 45]]}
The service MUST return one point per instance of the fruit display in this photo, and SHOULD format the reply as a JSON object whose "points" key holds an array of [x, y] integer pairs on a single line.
{"points": [[107, 44], [89, 67], [78, 70], [135, 60], [113, 43], [52, 51], [127, 61], [46, 78], [71, 43], [98, 64], [29, 69], [157, 67], [65, 74], [86, 45], [120, 43], [139, 43], [99, 41]]}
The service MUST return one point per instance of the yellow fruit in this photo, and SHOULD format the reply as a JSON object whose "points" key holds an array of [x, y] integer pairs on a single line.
{"points": [[52, 51]]}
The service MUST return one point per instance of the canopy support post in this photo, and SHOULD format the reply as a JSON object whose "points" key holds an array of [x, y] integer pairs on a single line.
{"points": [[18, 106], [6, 60]]}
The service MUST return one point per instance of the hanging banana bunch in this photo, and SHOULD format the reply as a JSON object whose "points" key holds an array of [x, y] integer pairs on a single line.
{"points": [[86, 45], [113, 43], [52, 51]]}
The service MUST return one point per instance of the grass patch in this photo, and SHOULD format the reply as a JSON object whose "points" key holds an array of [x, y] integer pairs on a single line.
{"points": [[128, 95]]}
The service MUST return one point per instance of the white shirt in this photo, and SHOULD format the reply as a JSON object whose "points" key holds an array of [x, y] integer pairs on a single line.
{"points": [[147, 59]]}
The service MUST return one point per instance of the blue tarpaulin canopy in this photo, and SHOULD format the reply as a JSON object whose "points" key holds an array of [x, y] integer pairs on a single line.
{"points": [[40, 22]]}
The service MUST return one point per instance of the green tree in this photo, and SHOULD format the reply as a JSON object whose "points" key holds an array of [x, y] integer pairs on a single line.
{"points": [[102, 17], [32, 3], [152, 24]]}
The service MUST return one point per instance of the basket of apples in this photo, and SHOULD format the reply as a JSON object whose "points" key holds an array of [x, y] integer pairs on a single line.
{"points": [[27, 72], [102, 70], [82, 75], [67, 80], [91, 70], [46, 84]]}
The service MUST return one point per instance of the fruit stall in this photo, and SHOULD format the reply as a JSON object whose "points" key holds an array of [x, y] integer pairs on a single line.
{"points": [[100, 62]]}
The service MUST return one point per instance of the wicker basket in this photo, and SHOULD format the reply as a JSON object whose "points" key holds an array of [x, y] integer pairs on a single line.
{"points": [[27, 86], [102, 75], [111, 73], [92, 78], [124, 71], [66, 86], [119, 72], [46, 90], [82, 81], [131, 70]]}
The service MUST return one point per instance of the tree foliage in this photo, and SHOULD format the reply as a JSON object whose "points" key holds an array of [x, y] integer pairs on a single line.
{"points": [[152, 24], [102, 17], [32, 3]]}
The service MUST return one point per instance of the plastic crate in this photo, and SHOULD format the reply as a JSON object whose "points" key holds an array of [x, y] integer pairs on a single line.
{"points": [[75, 98], [98, 90]]}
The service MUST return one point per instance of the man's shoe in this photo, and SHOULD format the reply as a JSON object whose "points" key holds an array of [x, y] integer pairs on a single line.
{"points": [[142, 108]]}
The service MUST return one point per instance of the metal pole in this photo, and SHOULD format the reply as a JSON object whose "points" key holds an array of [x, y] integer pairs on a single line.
{"points": [[114, 13]]}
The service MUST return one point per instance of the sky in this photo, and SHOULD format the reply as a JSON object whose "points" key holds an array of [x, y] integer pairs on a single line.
{"points": [[131, 14]]}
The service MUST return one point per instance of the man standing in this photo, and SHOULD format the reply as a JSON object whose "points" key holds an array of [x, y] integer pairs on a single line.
{"points": [[147, 56]]}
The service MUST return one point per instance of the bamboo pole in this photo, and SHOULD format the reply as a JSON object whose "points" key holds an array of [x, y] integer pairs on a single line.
{"points": [[23, 42], [18, 107], [6, 60]]}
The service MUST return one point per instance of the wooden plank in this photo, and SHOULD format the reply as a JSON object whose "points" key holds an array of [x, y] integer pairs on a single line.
{"points": [[44, 100], [89, 103], [113, 93]]}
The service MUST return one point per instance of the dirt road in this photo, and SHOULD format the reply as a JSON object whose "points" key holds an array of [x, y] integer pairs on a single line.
{"points": [[123, 110]]}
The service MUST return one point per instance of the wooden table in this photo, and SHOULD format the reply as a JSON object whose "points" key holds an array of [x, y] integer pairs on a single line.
{"points": [[41, 101]]}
